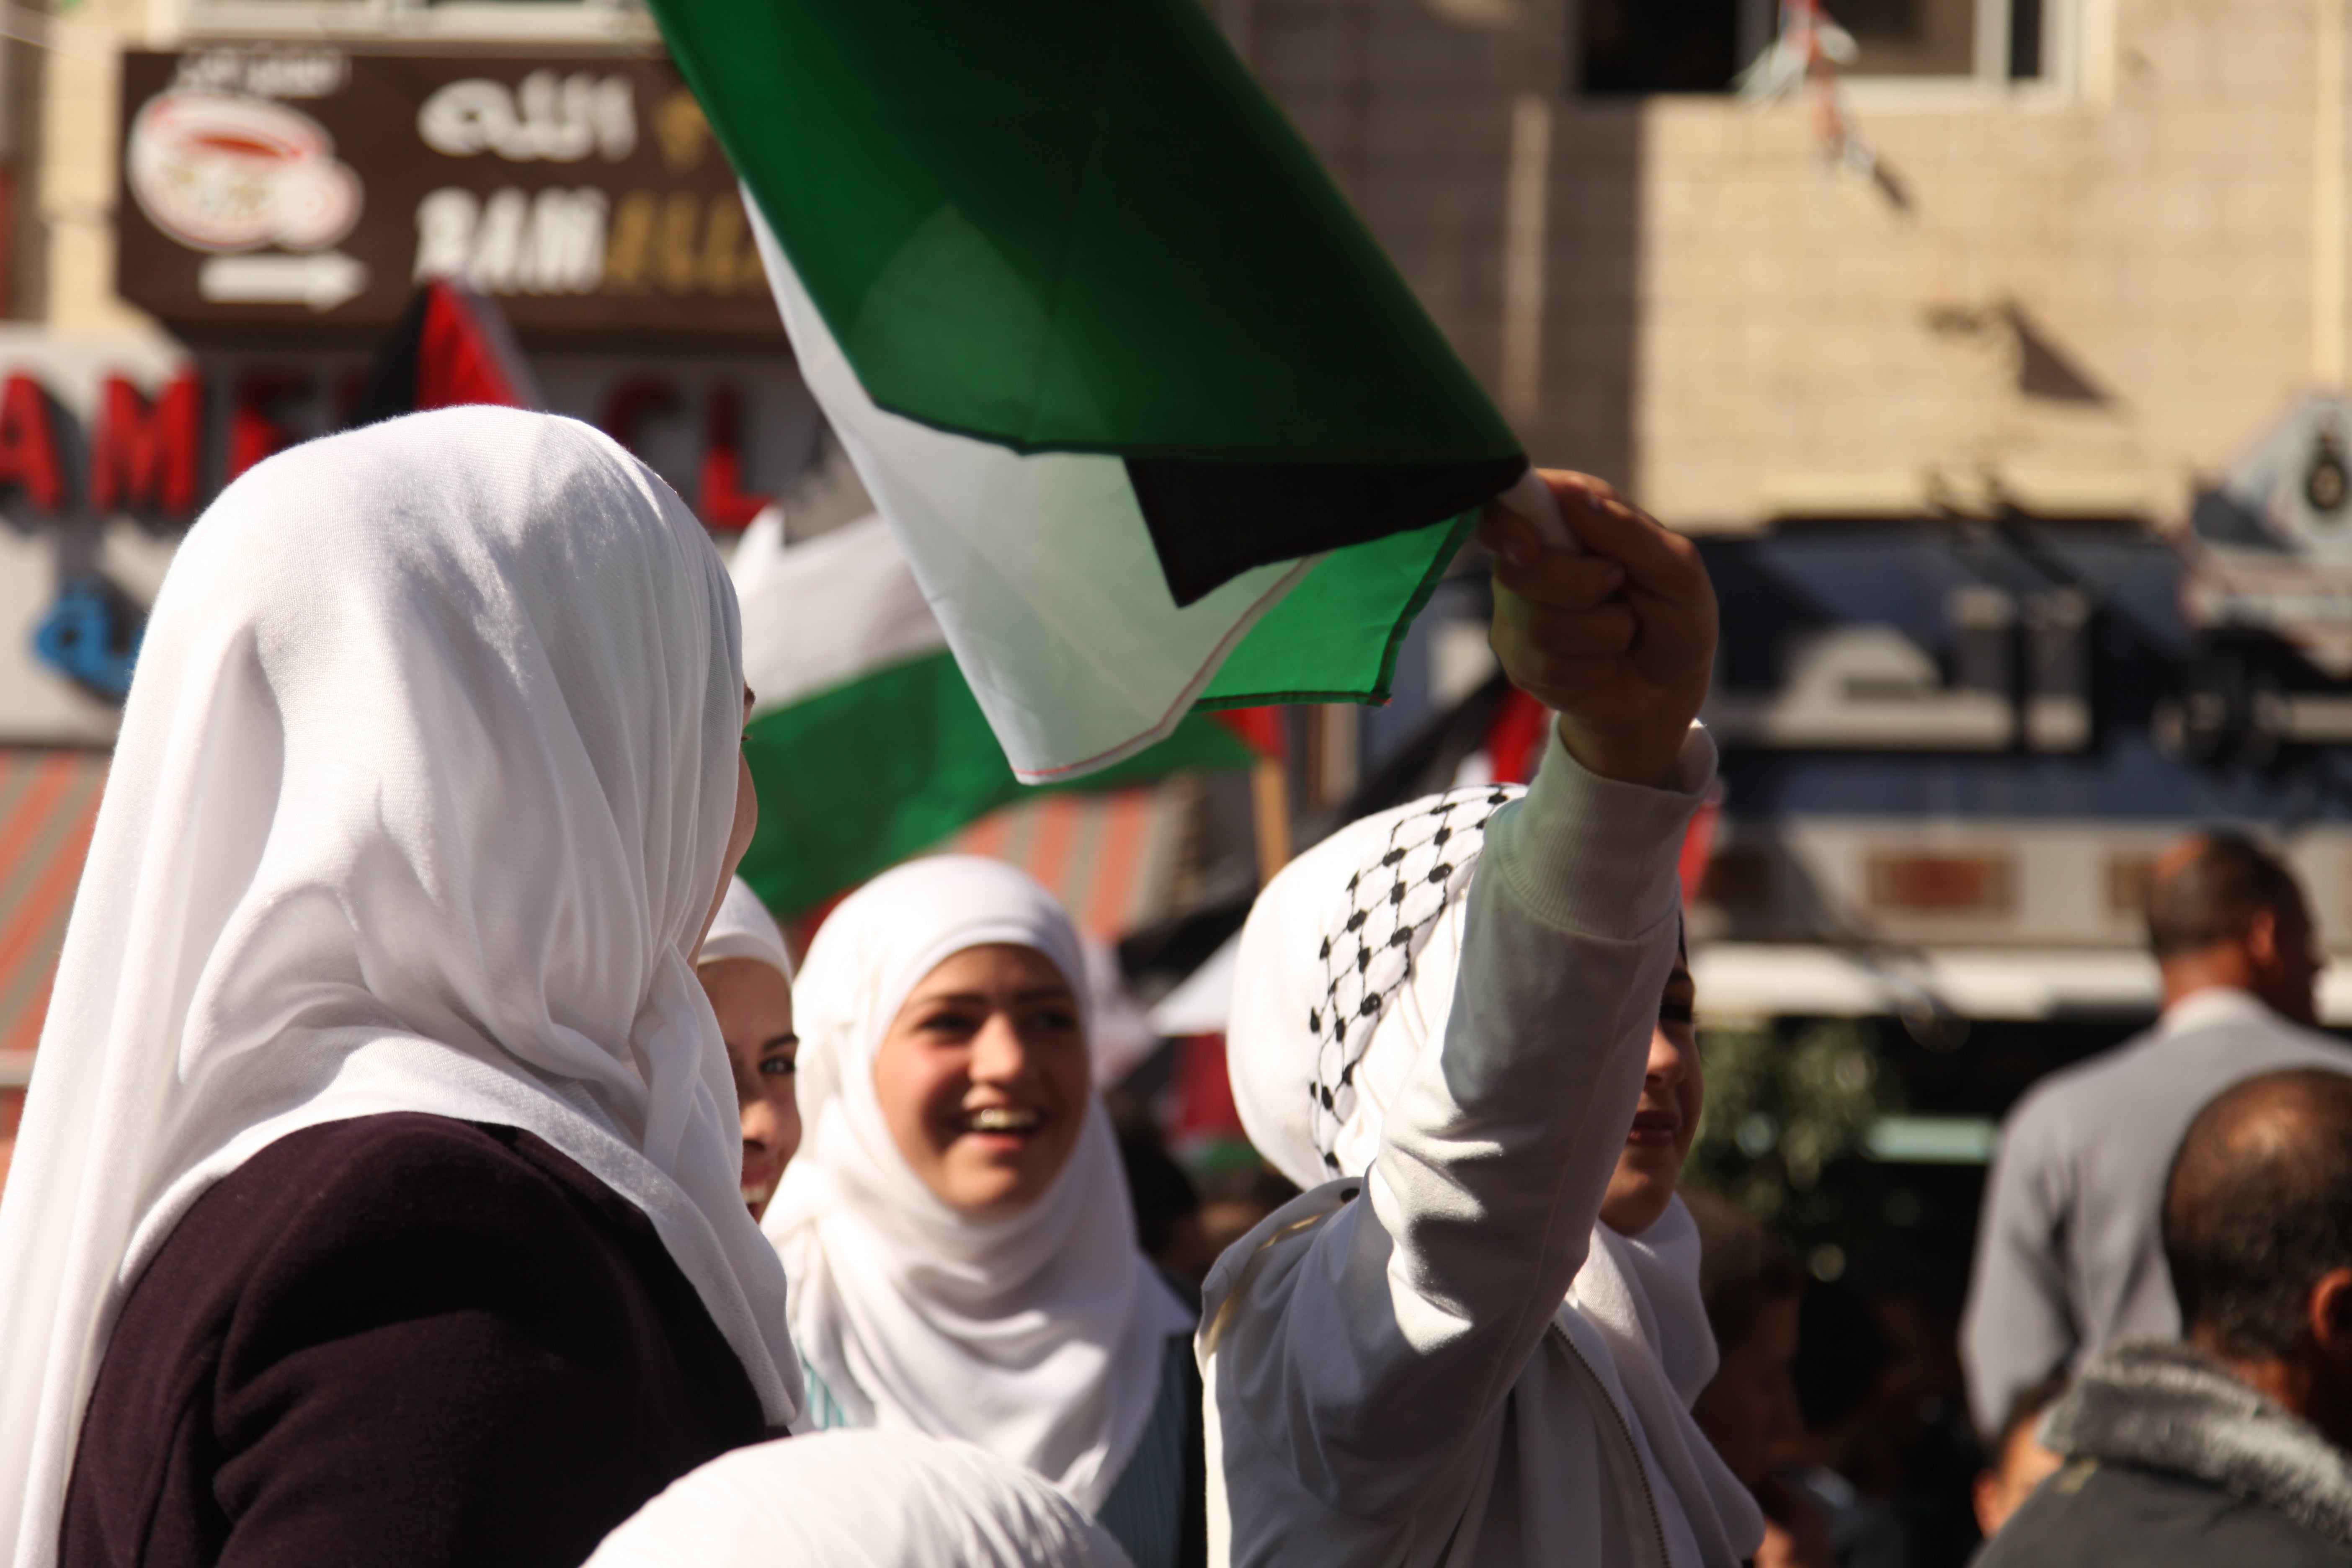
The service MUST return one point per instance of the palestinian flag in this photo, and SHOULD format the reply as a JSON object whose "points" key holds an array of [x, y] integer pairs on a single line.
{"points": [[1154, 421], [450, 346], [865, 741]]}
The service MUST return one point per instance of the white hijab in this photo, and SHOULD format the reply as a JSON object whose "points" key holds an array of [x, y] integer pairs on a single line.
{"points": [[1337, 992], [1641, 1293], [860, 1499], [744, 929], [1041, 1337], [422, 793]]}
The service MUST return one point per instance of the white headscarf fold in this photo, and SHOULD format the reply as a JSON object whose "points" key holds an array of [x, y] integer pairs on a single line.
{"points": [[744, 929], [1642, 1293], [1299, 958], [420, 797], [860, 1499], [1041, 1337]]}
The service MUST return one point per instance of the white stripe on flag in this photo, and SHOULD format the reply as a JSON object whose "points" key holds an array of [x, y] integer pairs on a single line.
{"points": [[1039, 568]]}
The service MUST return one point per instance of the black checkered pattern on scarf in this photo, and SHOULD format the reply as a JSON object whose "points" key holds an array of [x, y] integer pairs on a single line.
{"points": [[1368, 950]]}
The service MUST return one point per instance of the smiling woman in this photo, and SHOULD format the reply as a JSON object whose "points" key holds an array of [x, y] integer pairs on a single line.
{"points": [[984, 1079], [957, 1230]]}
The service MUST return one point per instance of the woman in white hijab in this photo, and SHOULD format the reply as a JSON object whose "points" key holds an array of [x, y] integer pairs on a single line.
{"points": [[957, 1226], [1476, 1336], [748, 976], [860, 1499], [376, 1199]]}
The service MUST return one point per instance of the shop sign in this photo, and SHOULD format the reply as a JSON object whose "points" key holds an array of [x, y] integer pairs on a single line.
{"points": [[109, 451], [101, 450], [310, 187]]}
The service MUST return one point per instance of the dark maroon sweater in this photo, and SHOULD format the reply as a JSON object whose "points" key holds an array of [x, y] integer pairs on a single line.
{"points": [[399, 1341]]}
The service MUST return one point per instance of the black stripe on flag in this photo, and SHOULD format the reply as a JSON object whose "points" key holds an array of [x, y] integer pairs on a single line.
{"points": [[1211, 522]]}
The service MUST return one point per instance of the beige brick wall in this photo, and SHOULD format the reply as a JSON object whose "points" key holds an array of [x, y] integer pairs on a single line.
{"points": [[76, 183], [1741, 333], [1803, 336]]}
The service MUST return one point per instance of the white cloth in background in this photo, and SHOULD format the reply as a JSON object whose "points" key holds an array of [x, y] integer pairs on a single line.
{"points": [[744, 929], [860, 1499], [1442, 1355], [422, 793], [1041, 1337]]}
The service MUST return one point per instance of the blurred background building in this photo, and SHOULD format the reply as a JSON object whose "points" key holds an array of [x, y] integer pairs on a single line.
{"points": [[1997, 349]]}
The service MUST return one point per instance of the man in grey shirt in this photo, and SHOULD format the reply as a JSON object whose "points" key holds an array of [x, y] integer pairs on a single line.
{"points": [[2070, 1253]]}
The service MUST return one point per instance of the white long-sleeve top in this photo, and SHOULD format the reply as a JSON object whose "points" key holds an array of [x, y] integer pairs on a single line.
{"points": [[1396, 1370]]}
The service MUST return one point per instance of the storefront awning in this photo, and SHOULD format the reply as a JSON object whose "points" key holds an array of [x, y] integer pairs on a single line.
{"points": [[1106, 855], [1761, 980], [49, 802]]}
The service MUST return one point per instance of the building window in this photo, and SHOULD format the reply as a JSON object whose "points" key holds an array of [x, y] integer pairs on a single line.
{"points": [[1702, 46], [1663, 46]]}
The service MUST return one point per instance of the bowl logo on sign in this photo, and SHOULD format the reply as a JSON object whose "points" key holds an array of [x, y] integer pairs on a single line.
{"points": [[227, 174]]}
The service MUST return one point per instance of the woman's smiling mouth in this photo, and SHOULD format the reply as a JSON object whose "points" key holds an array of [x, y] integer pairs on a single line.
{"points": [[1654, 1129], [1002, 1119]]}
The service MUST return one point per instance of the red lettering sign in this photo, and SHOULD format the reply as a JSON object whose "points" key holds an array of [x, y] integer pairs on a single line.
{"points": [[143, 457], [28, 446]]}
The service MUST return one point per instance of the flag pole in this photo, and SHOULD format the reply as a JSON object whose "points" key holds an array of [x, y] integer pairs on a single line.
{"points": [[1270, 806]]}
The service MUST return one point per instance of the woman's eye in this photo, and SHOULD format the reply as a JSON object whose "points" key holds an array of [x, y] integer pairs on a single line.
{"points": [[1672, 1012], [778, 1067], [1057, 1018]]}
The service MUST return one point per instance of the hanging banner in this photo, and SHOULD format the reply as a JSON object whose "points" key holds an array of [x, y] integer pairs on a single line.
{"points": [[308, 188]]}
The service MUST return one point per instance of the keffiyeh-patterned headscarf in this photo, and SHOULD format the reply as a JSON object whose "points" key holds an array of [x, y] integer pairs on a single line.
{"points": [[1383, 902], [1377, 931]]}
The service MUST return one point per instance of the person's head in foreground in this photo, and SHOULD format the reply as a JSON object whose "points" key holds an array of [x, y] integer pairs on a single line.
{"points": [[2224, 912], [956, 1229], [2258, 1237], [428, 785], [860, 1499], [2019, 1462], [1395, 962], [748, 976], [2228, 1446]]}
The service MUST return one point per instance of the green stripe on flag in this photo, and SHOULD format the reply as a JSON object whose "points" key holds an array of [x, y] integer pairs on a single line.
{"points": [[856, 779], [1357, 603], [1062, 225]]}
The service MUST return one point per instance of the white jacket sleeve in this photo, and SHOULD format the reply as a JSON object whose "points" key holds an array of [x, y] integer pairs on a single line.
{"points": [[1370, 1364]]}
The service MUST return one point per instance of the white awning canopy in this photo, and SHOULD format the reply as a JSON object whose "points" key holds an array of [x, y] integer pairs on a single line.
{"points": [[1759, 980]]}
